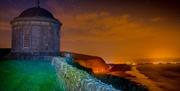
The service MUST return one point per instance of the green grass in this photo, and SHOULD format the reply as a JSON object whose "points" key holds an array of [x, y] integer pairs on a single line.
{"points": [[28, 76]]}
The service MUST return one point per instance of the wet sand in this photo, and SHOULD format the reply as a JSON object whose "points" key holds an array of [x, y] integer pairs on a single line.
{"points": [[165, 76], [143, 79]]}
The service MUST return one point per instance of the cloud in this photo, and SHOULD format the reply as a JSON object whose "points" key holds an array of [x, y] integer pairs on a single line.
{"points": [[5, 39], [4, 26], [157, 19], [120, 35], [101, 25]]}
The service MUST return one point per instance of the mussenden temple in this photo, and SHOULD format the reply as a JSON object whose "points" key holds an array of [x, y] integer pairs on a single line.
{"points": [[35, 34]]}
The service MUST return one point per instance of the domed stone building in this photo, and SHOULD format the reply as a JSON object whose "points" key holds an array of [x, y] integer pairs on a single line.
{"points": [[35, 32]]}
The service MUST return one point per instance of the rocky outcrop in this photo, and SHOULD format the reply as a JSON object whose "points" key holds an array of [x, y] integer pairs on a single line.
{"points": [[98, 65], [95, 63]]}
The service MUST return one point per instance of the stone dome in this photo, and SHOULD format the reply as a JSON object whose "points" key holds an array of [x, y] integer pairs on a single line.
{"points": [[36, 12]]}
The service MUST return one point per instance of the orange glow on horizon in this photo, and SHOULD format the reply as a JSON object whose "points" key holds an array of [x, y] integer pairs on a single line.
{"points": [[163, 53]]}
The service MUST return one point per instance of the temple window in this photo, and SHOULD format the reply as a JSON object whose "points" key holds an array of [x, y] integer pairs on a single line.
{"points": [[26, 38]]}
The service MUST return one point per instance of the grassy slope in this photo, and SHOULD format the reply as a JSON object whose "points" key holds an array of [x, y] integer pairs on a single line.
{"points": [[28, 76]]}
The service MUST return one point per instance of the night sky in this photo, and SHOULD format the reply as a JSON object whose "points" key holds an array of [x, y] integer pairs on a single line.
{"points": [[112, 29]]}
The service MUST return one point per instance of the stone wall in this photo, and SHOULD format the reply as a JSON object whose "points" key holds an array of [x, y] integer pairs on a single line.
{"points": [[78, 80]]}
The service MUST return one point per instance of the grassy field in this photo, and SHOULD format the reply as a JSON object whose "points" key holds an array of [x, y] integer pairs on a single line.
{"points": [[28, 76]]}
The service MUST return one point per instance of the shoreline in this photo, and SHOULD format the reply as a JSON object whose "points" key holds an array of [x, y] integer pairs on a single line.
{"points": [[142, 79]]}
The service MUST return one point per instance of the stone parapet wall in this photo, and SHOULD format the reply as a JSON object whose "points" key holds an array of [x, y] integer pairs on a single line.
{"points": [[78, 80]]}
